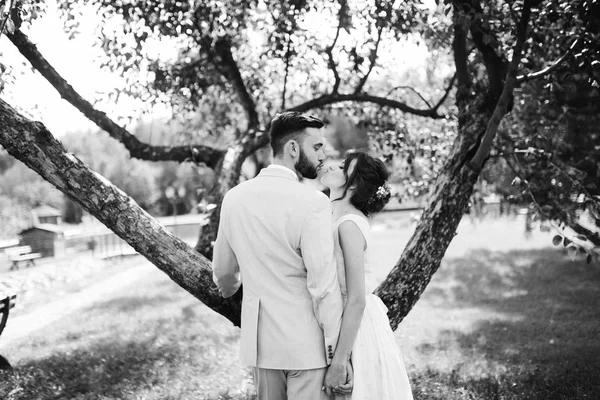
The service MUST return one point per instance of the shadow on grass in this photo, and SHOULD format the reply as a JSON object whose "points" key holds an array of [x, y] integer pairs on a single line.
{"points": [[149, 368], [540, 330], [154, 341], [111, 369]]}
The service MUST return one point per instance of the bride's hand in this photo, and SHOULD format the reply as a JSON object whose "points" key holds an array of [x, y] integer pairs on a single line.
{"points": [[346, 388], [335, 377]]}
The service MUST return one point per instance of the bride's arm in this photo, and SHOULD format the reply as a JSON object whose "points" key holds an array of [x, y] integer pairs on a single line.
{"points": [[352, 243]]}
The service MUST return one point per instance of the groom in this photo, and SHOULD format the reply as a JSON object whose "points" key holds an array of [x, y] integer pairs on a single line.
{"points": [[275, 236]]}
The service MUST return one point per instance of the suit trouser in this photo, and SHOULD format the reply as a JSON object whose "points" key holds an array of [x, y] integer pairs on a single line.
{"points": [[275, 384]]}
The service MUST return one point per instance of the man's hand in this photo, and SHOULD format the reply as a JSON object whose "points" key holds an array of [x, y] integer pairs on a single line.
{"points": [[339, 379], [347, 387], [334, 377]]}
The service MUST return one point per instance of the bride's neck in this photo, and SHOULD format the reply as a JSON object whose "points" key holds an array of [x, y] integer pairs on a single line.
{"points": [[342, 206]]}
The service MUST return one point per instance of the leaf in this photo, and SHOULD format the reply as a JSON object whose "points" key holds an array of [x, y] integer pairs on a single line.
{"points": [[581, 237], [556, 240], [588, 259], [572, 251], [566, 242]]}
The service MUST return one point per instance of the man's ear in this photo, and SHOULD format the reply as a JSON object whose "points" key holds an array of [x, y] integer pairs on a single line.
{"points": [[293, 148]]}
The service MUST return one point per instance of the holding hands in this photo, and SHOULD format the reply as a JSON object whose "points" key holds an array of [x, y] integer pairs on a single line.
{"points": [[339, 379]]}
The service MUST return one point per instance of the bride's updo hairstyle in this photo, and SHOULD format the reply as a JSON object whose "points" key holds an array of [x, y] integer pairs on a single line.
{"points": [[368, 180]]}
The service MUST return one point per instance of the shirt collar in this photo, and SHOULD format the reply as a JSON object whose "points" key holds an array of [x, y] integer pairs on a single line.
{"points": [[286, 170]]}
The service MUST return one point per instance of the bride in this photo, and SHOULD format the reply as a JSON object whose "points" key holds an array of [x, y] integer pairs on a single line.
{"points": [[366, 343]]}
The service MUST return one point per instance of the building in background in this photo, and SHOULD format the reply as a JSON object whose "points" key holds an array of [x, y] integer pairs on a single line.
{"points": [[46, 215]]}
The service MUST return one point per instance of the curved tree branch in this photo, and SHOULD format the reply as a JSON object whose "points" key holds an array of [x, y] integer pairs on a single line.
{"points": [[486, 42], [496, 64], [459, 48], [208, 155], [502, 106], [228, 67], [260, 138], [446, 93], [412, 90], [545, 71], [365, 98], [219, 52], [372, 61], [440, 101], [288, 55], [329, 50]]}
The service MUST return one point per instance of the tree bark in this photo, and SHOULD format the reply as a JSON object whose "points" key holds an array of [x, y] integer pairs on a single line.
{"points": [[34, 145], [423, 254]]}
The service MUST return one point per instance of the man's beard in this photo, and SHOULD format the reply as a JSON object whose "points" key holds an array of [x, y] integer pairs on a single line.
{"points": [[307, 169]]}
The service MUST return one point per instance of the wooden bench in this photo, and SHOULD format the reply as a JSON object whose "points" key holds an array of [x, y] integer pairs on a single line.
{"points": [[20, 254], [6, 304]]}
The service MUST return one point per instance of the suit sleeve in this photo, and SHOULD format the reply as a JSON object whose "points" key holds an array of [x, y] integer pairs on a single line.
{"points": [[316, 245], [226, 271]]}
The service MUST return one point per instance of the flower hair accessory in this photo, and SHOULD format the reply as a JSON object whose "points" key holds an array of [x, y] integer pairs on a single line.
{"points": [[382, 192]]}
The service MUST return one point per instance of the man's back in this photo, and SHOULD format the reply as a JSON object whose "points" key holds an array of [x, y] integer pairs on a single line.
{"points": [[280, 233]]}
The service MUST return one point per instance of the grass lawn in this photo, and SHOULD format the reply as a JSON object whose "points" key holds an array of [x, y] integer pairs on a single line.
{"points": [[504, 318], [150, 340]]}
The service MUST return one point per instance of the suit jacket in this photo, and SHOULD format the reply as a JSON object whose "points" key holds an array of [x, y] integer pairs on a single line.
{"points": [[275, 236]]}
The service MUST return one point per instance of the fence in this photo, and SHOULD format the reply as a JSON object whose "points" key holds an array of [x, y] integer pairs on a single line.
{"points": [[103, 243]]}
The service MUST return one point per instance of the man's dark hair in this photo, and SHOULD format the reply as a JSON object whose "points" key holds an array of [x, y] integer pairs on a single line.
{"points": [[290, 125]]}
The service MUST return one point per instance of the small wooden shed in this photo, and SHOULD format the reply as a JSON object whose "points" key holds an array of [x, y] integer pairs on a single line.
{"points": [[47, 239]]}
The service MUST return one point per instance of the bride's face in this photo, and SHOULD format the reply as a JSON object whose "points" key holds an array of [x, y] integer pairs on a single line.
{"points": [[334, 176]]}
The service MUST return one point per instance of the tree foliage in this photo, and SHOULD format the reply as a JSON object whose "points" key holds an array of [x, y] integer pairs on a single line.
{"points": [[550, 143]]}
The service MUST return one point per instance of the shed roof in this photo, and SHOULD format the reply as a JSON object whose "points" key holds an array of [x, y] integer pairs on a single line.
{"points": [[45, 227], [46, 211]]}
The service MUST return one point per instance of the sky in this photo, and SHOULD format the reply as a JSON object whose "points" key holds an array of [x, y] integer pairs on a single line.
{"points": [[75, 59], [32, 94]]}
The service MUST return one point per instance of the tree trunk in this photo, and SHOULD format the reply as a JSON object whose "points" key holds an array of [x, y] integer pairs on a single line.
{"points": [[437, 227], [479, 114], [228, 175], [35, 146]]}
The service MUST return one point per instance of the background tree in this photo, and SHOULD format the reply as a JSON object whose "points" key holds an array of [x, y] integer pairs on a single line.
{"points": [[229, 80], [550, 144], [26, 188]]}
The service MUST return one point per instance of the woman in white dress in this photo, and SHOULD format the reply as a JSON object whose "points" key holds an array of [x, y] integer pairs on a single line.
{"points": [[358, 189]]}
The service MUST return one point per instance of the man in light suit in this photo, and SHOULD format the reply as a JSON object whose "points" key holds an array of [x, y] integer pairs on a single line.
{"points": [[275, 236]]}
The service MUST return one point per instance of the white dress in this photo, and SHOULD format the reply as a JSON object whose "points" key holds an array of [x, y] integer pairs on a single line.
{"points": [[379, 371]]}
